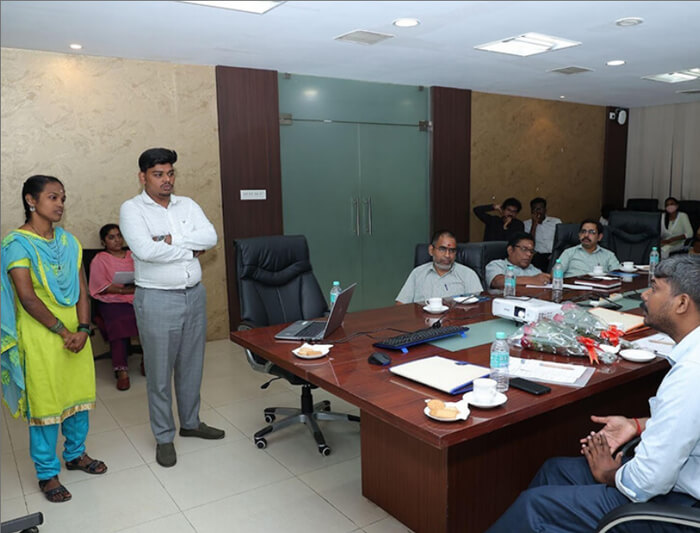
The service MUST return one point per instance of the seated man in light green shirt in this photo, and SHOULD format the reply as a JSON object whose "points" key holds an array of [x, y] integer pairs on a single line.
{"points": [[582, 259], [442, 277], [521, 249]]}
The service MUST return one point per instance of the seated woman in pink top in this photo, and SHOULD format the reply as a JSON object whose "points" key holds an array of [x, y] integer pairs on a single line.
{"points": [[114, 301]]}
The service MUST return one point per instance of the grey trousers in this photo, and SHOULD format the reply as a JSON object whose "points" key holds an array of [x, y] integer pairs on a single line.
{"points": [[172, 328]]}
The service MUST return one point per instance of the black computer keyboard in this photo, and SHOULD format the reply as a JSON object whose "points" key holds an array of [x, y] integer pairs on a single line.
{"points": [[405, 340]]}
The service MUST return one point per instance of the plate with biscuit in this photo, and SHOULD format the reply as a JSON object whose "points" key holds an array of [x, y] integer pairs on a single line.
{"points": [[312, 351], [446, 411]]}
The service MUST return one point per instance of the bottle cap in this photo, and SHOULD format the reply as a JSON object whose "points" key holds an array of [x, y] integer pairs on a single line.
{"points": [[336, 283], [558, 261], [500, 335], [653, 247], [510, 267]]}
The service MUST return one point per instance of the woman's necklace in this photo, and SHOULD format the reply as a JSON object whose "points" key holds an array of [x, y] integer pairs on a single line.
{"points": [[49, 237]]}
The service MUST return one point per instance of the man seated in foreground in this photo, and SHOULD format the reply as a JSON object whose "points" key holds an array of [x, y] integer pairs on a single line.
{"points": [[573, 493], [442, 277], [582, 259], [521, 249]]}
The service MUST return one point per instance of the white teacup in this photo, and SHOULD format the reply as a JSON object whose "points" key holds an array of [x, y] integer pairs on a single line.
{"points": [[484, 390], [598, 270], [628, 265], [434, 303]]}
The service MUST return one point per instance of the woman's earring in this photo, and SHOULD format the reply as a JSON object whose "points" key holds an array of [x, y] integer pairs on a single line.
{"points": [[32, 208]]}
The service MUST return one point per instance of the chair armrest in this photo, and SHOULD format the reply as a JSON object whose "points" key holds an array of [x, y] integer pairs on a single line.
{"points": [[628, 447], [650, 512], [257, 362]]}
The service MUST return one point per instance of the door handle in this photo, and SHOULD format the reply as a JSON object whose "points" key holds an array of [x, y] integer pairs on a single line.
{"points": [[355, 210], [369, 214]]}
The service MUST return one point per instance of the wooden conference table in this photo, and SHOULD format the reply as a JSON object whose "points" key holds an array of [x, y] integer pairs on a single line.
{"points": [[458, 476]]}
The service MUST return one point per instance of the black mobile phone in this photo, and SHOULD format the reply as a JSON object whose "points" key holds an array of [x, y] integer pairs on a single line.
{"points": [[529, 386]]}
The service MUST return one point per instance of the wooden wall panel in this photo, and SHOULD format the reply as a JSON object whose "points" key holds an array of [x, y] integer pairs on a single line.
{"points": [[249, 152], [450, 161], [614, 161], [525, 147]]}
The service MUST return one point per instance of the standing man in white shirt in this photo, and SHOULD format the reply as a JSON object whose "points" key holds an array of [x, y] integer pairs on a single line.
{"points": [[542, 228], [166, 235]]}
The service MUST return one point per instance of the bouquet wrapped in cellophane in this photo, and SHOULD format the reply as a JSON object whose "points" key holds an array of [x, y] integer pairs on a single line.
{"points": [[573, 332]]}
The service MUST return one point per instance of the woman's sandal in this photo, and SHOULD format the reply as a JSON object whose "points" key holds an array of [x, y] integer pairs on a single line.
{"points": [[57, 494], [93, 466]]}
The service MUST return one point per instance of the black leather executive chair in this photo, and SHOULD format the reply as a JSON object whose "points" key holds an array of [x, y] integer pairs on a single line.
{"points": [[692, 209], [475, 255], [642, 204], [632, 234], [276, 284], [668, 517]]}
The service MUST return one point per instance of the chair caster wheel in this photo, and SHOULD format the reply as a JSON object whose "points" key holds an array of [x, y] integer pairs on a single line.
{"points": [[324, 450], [270, 418], [261, 443]]}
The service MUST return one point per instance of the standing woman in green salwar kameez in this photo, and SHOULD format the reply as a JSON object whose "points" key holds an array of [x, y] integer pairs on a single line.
{"points": [[48, 372]]}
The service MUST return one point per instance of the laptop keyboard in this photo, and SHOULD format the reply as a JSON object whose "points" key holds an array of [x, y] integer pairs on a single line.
{"points": [[311, 330], [419, 337]]}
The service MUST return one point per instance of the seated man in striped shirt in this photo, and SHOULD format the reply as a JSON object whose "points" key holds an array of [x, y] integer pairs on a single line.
{"points": [[521, 249], [442, 277], [582, 259]]}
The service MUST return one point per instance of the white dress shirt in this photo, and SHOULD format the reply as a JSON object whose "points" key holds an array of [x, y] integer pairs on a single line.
{"points": [[158, 265], [668, 456], [544, 236]]}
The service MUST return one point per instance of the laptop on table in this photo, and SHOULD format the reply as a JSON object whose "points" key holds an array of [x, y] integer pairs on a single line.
{"points": [[311, 330]]}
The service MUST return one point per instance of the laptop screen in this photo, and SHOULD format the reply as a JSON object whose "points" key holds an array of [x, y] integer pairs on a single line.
{"points": [[339, 309]]}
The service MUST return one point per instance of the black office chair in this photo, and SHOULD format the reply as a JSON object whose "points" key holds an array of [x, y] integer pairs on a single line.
{"points": [[692, 209], [25, 524], [632, 234], [276, 285], [679, 517], [642, 204], [476, 255]]}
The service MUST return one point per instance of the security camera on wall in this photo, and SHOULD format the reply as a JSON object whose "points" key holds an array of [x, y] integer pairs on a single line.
{"points": [[619, 115]]}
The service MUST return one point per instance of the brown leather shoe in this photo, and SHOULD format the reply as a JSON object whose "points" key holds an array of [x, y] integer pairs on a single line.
{"points": [[123, 382]]}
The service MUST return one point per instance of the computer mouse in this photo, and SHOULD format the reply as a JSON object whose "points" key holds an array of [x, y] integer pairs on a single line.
{"points": [[378, 358]]}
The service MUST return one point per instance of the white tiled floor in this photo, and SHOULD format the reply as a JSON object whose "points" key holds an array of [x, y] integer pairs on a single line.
{"points": [[216, 486]]}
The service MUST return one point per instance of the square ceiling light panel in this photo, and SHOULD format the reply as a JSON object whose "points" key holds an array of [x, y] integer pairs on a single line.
{"points": [[688, 74], [527, 44], [259, 8]]}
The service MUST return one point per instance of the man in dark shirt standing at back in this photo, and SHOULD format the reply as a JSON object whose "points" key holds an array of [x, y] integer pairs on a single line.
{"points": [[505, 225]]}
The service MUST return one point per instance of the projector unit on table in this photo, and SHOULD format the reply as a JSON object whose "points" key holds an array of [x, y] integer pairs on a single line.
{"points": [[525, 309]]}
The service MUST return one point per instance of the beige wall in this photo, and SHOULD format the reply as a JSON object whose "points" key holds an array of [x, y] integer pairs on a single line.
{"points": [[86, 119], [525, 147]]}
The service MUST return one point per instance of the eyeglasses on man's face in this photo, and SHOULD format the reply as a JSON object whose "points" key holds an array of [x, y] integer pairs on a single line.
{"points": [[446, 250], [588, 231], [525, 249]]}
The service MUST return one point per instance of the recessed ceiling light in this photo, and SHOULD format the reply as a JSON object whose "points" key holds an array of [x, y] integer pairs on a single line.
{"points": [[615, 62], [406, 22], [629, 21], [527, 44], [76, 46], [562, 97], [258, 8], [688, 74]]}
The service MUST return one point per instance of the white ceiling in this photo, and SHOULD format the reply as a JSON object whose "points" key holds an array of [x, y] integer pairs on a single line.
{"points": [[297, 37]]}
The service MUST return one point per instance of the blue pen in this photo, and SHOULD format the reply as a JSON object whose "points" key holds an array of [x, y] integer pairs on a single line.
{"points": [[446, 287]]}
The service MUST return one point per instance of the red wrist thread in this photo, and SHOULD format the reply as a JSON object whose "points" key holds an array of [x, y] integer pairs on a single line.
{"points": [[639, 426]]}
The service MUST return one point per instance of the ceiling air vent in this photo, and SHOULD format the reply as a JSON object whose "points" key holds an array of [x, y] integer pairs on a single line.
{"points": [[571, 70], [689, 91], [363, 37]]}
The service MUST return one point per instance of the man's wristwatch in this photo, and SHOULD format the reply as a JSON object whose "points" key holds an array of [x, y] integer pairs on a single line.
{"points": [[85, 328]]}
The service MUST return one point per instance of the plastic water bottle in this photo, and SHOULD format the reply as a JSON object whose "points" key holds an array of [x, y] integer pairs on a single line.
{"points": [[335, 291], [653, 261], [557, 281], [500, 359], [509, 286]]}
